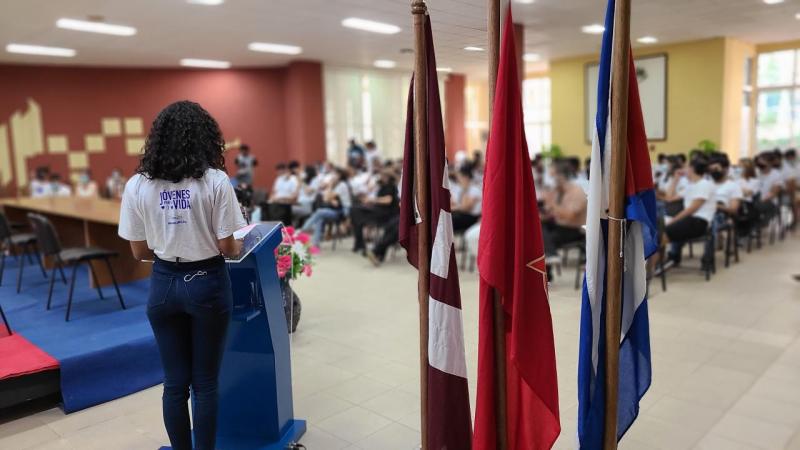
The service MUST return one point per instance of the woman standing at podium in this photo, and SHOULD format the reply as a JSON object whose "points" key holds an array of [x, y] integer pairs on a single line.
{"points": [[180, 211]]}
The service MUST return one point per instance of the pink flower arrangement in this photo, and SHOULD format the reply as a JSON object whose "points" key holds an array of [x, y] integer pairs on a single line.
{"points": [[294, 256]]}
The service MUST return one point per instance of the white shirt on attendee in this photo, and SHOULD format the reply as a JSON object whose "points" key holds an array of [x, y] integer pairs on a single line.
{"points": [[727, 191], [86, 190], [361, 183], [285, 186], [680, 188], [472, 191], [768, 182], [40, 188], [701, 189], [373, 158], [749, 187], [308, 192], [342, 190], [788, 173], [180, 220], [61, 190]]}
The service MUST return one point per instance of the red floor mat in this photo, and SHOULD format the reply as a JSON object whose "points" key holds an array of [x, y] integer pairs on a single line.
{"points": [[20, 357]]}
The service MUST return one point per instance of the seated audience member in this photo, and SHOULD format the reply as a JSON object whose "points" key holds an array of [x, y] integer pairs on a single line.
{"points": [[245, 165], [285, 191], [334, 204], [728, 193], [363, 184], [85, 187], [661, 166], [115, 184], [563, 210], [770, 186], [40, 183], [672, 187], [791, 171], [465, 200], [58, 188], [699, 207], [379, 209], [748, 180], [477, 165], [309, 189]]}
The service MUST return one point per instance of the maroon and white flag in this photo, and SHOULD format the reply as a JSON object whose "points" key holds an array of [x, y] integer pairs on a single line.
{"points": [[448, 418]]}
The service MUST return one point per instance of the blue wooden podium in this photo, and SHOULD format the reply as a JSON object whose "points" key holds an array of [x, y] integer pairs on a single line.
{"points": [[255, 387]]}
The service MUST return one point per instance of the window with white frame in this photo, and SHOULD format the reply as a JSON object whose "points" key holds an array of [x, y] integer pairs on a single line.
{"points": [[536, 110], [778, 117]]}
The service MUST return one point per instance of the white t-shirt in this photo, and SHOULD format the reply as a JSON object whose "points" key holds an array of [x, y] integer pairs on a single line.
{"points": [[788, 172], [680, 188], [285, 186], [180, 220], [728, 191], [473, 191], [768, 182], [40, 189], [751, 185], [343, 191], [701, 189]]}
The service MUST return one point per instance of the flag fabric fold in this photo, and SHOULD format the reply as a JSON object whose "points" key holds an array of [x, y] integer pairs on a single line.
{"points": [[511, 262], [448, 417], [640, 242]]}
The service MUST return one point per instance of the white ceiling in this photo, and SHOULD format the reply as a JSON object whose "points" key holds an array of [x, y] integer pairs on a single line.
{"points": [[172, 29]]}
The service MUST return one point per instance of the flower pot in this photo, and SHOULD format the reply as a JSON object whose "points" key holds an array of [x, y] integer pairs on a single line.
{"points": [[291, 306]]}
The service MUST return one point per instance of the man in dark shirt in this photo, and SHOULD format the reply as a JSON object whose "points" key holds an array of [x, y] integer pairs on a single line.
{"points": [[378, 210]]}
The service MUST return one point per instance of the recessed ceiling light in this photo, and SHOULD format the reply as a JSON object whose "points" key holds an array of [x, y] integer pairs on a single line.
{"points": [[205, 63], [532, 57], [95, 27], [647, 40], [473, 49], [525, 2], [281, 49], [797, 16], [594, 28], [444, 69], [206, 2], [27, 49], [385, 64], [370, 25], [773, 2]]}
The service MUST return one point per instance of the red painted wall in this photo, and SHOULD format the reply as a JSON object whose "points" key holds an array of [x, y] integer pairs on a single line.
{"points": [[277, 111], [455, 114]]}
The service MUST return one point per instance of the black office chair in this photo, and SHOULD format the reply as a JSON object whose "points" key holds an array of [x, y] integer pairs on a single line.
{"points": [[22, 244], [51, 246]]}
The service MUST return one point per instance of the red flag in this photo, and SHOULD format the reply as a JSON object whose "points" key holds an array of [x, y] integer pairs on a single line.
{"points": [[511, 261], [448, 417]]}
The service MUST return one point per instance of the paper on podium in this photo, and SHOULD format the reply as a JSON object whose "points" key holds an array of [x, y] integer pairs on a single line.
{"points": [[242, 232]]}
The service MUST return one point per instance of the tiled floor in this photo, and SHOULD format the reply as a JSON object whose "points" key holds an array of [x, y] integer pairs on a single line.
{"points": [[726, 358]]}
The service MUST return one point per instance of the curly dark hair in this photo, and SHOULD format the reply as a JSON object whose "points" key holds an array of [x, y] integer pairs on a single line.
{"points": [[184, 142]]}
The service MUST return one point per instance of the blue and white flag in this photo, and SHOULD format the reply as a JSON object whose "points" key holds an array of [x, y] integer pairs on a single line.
{"points": [[640, 241]]}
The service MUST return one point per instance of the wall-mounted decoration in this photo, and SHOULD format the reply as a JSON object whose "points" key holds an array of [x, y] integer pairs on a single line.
{"points": [[651, 73]]}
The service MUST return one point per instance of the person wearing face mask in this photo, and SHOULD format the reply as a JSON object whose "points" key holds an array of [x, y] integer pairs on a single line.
{"points": [[728, 193], [85, 186], [59, 188], [699, 207], [40, 184]]}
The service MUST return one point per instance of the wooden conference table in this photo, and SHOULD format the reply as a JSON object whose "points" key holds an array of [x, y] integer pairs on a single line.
{"points": [[82, 222]]}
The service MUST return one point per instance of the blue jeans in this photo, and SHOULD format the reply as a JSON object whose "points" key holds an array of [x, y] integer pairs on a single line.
{"points": [[317, 222], [189, 309]]}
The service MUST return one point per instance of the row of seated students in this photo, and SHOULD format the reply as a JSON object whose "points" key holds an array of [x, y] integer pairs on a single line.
{"points": [[704, 191], [46, 183]]}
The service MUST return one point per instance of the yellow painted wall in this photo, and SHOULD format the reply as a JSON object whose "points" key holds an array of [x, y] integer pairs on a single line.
{"points": [[776, 46], [695, 86], [736, 54]]}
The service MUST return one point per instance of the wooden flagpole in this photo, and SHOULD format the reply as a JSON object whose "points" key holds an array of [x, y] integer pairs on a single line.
{"points": [[421, 180], [619, 146], [501, 418]]}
